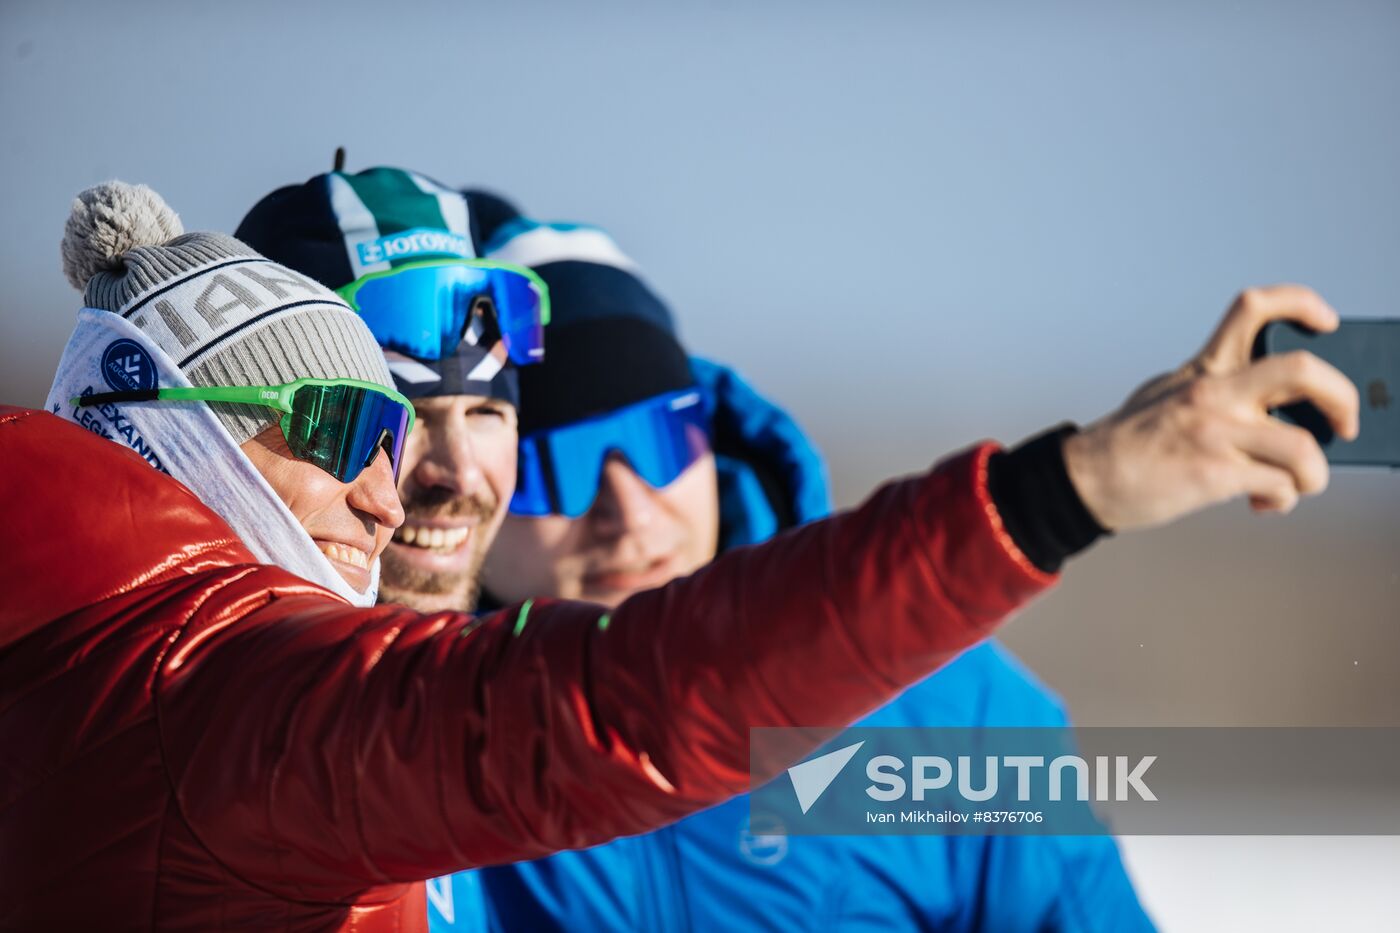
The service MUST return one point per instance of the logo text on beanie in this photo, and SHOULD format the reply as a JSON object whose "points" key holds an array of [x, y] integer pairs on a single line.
{"points": [[215, 304], [420, 241], [126, 366]]}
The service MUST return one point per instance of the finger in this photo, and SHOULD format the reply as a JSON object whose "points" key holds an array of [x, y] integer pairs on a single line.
{"points": [[1232, 344], [1260, 504], [1287, 447], [1270, 489], [1301, 376]]}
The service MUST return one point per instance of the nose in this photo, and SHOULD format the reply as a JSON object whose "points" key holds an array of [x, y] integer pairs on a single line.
{"points": [[374, 493], [449, 462], [625, 502]]}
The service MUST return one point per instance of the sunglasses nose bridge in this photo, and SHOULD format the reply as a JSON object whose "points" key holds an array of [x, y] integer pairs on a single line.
{"points": [[482, 327], [384, 442]]}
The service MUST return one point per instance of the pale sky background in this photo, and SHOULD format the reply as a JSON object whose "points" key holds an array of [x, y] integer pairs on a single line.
{"points": [[915, 224]]}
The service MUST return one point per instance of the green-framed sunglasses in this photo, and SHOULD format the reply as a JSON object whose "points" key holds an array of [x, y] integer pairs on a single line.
{"points": [[340, 425]]}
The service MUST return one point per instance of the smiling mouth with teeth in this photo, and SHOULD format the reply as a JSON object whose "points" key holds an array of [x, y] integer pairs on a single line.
{"points": [[436, 539], [346, 555]]}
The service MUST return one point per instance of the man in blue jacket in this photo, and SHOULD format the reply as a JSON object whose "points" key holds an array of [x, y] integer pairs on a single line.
{"points": [[624, 444]]}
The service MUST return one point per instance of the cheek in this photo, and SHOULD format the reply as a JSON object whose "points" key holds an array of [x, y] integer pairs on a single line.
{"points": [[694, 501], [531, 557], [313, 496], [299, 488], [498, 464], [536, 541], [412, 454], [319, 505]]}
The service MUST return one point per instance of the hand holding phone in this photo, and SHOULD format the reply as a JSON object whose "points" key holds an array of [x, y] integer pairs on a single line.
{"points": [[1203, 433]]}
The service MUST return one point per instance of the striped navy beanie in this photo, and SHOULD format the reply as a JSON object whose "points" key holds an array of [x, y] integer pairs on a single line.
{"points": [[611, 340], [339, 227]]}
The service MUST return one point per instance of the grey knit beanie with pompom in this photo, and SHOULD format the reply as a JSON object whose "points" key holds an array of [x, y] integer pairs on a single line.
{"points": [[223, 313]]}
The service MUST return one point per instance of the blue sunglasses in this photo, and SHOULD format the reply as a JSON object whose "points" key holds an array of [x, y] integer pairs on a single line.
{"points": [[560, 468], [426, 309]]}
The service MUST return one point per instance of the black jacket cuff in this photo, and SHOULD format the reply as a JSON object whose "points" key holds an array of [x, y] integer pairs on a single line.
{"points": [[1038, 504]]}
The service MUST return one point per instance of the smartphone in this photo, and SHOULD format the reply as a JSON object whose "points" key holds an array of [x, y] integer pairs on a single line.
{"points": [[1367, 351]]}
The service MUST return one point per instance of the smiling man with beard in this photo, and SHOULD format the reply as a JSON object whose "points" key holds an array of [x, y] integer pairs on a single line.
{"points": [[459, 469], [402, 249]]}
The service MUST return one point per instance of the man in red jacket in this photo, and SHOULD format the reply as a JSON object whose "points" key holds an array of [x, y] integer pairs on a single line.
{"points": [[196, 740]]}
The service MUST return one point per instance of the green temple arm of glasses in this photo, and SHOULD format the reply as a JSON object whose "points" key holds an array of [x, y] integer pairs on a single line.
{"points": [[269, 396], [277, 397]]}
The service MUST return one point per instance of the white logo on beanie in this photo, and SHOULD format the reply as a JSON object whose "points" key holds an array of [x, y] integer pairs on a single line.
{"points": [[419, 241]]}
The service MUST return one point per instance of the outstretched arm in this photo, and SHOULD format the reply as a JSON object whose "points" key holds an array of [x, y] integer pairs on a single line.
{"points": [[366, 747], [319, 750]]}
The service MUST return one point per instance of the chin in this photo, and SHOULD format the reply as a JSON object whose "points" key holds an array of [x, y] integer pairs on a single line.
{"points": [[421, 601]]}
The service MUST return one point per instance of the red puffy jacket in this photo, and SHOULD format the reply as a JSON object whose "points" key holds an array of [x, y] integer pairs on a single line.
{"points": [[191, 741]]}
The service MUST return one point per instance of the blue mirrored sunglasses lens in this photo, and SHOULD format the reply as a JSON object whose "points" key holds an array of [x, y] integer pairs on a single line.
{"points": [[518, 305], [423, 311], [559, 470], [533, 485], [419, 311], [341, 429]]}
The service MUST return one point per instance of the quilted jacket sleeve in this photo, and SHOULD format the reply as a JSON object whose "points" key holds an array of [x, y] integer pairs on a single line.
{"points": [[319, 750]]}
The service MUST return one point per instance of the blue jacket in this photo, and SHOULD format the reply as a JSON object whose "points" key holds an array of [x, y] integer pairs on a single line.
{"points": [[709, 872]]}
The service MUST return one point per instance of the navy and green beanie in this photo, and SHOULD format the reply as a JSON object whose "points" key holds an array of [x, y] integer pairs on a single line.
{"points": [[611, 340], [340, 226]]}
